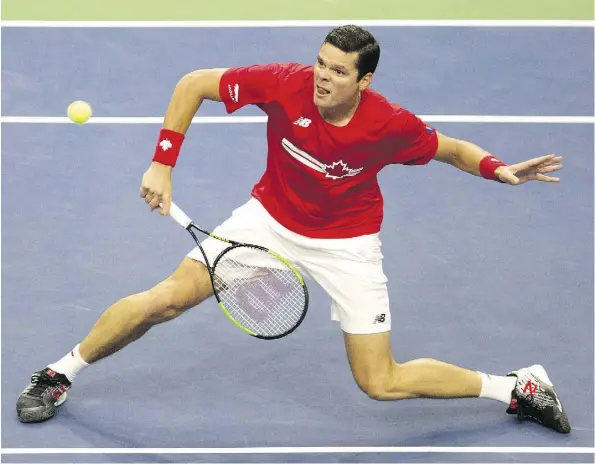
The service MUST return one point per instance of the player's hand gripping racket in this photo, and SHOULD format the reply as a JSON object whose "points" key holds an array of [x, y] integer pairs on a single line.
{"points": [[259, 290]]}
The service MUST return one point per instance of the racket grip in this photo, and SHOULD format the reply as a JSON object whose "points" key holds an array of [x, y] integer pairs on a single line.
{"points": [[179, 216]]}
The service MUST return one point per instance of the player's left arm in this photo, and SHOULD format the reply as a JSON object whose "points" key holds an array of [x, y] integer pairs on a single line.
{"points": [[473, 159]]}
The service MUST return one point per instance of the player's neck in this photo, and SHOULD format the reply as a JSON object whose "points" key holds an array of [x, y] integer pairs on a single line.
{"points": [[340, 115]]}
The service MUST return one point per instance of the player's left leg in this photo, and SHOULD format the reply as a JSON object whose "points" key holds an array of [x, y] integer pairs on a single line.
{"points": [[528, 392], [350, 271], [382, 378]]}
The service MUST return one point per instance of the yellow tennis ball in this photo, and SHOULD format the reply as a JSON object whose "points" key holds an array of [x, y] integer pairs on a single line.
{"points": [[79, 112]]}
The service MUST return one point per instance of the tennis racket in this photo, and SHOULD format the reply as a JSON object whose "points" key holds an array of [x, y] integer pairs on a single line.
{"points": [[259, 290]]}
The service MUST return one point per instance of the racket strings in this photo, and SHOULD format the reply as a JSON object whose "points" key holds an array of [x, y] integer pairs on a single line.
{"points": [[262, 314], [264, 296]]}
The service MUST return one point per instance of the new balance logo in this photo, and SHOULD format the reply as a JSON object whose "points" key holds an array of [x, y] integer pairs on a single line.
{"points": [[380, 318], [303, 122], [530, 388]]}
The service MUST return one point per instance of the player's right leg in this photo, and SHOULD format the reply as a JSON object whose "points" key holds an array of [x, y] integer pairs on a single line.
{"points": [[124, 322], [130, 318]]}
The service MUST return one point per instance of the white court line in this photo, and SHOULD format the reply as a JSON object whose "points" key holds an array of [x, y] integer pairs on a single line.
{"points": [[309, 450], [307, 23], [130, 120], [263, 119]]}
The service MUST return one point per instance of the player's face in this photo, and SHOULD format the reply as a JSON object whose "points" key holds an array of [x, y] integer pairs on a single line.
{"points": [[335, 77]]}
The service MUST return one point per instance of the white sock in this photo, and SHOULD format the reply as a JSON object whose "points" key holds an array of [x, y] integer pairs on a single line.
{"points": [[496, 387], [70, 365]]}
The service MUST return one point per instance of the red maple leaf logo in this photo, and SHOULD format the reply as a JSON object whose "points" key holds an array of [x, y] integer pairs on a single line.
{"points": [[339, 169]]}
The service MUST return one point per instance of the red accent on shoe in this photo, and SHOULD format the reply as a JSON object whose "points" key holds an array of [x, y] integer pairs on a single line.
{"points": [[531, 388], [513, 404]]}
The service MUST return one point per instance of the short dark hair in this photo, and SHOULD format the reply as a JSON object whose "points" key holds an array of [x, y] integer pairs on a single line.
{"points": [[352, 38]]}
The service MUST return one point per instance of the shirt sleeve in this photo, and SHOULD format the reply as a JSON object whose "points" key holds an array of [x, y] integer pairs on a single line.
{"points": [[413, 142], [253, 85]]}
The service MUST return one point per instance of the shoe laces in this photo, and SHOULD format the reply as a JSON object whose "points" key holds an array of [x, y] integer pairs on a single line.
{"points": [[40, 382]]}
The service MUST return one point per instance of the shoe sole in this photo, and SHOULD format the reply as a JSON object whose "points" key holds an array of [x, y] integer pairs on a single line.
{"points": [[552, 414], [556, 414], [562, 423], [40, 413]]}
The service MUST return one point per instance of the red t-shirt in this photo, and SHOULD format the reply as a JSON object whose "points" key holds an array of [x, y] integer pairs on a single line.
{"points": [[321, 180]]}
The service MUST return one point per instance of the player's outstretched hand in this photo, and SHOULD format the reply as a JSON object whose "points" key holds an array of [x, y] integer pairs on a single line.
{"points": [[534, 169], [156, 187]]}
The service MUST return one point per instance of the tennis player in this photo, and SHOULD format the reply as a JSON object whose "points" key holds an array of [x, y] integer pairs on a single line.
{"points": [[318, 203]]}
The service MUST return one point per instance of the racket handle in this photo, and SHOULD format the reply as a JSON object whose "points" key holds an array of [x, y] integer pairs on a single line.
{"points": [[179, 216]]}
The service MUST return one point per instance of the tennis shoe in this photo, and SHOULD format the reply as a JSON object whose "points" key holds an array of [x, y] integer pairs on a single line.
{"points": [[47, 391], [535, 399]]}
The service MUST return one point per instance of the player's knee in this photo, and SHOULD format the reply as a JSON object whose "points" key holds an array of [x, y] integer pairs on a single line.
{"points": [[186, 288], [382, 384], [375, 388], [166, 302]]}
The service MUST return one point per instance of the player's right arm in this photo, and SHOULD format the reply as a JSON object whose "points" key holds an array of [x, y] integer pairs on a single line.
{"points": [[188, 95], [235, 87], [190, 92]]}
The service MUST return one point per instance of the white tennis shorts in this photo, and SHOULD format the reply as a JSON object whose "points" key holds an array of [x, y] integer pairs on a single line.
{"points": [[348, 269]]}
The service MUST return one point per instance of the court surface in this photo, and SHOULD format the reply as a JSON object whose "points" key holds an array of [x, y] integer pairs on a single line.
{"points": [[486, 276]]}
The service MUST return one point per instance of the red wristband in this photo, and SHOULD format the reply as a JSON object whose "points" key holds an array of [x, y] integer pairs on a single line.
{"points": [[168, 147], [488, 166]]}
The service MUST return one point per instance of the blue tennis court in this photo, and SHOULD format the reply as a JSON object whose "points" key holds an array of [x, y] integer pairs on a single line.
{"points": [[482, 275]]}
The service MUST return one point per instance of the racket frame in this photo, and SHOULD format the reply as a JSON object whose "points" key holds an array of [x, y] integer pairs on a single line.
{"points": [[212, 272]]}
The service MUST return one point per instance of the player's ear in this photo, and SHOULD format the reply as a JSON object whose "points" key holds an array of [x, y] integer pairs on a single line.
{"points": [[365, 82]]}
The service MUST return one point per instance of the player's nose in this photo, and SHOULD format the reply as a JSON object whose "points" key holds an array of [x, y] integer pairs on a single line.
{"points": [[323, 75]]}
